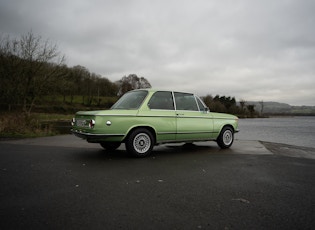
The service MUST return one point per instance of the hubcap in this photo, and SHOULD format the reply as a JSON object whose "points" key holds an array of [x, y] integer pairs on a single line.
{"points": [[142, 143], [227, 137]]}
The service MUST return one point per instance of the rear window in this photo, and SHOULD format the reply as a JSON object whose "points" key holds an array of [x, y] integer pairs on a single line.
{"points": [[131, 100]]}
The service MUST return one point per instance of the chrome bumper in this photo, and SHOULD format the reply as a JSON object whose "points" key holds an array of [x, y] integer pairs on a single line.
{"points": [[92, 137]]}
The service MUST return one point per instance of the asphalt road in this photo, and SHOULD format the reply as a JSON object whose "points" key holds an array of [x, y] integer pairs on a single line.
{"points": [[65, 183]]}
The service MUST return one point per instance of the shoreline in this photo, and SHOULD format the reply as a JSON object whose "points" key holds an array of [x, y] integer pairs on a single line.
{"points": [[289, 150]]}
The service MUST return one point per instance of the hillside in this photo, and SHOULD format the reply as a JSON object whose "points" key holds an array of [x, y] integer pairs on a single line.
{"points": [[282, 108]]}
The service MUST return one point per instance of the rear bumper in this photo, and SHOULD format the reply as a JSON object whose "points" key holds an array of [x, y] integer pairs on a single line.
{"points": [[92, 137]]}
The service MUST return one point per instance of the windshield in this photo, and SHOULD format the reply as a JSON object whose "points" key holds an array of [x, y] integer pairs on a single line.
{"points": [[131, 100]]}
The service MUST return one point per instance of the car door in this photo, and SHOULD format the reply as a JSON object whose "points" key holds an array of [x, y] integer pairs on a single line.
{"points": [[193, 122], [162, 115]]}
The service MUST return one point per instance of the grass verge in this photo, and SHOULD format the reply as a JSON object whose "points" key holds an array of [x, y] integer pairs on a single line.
{"points": [[21, 125]]}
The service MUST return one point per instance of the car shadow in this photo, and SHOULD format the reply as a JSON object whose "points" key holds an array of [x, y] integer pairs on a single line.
{"points": [[191, 148], [166, 150], [102, 154]]}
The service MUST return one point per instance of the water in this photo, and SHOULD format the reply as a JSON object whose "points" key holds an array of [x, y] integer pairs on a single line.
{"points": [[299, 131]]}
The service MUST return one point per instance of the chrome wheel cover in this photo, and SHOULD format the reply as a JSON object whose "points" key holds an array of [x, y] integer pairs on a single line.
{"points": [[227, 137], [142, 143]]}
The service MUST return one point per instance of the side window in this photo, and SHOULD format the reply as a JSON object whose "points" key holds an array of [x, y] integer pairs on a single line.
{"points": [[161, 100], [202, 107], [185, 101]]}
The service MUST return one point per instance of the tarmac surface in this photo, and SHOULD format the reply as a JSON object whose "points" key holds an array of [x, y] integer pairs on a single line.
{"points": [[63, 182]]}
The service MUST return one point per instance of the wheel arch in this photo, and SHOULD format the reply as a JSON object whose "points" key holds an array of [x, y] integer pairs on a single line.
{"points": [[149, 128], [228, 125], [223, 126]]}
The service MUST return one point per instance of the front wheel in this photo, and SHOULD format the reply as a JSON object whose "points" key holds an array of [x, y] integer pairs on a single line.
{"points": [[226, 138], [140, 142]]}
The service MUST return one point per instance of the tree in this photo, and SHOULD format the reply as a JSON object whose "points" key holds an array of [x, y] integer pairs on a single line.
{"points": [[261, 107], [208, 100], [28, 69], [132, 82], [251, 109], [9, 72], [242, 103]]}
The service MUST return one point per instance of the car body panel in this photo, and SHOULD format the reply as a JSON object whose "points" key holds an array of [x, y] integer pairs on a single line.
{"points": [[167, 125], [200, 128]]}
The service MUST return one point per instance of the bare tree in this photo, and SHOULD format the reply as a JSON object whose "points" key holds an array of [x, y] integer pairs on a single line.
{"points": [[28, 66], [132, 82], [251, 109]]}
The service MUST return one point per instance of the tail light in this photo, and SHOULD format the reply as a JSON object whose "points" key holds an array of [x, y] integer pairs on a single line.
{"points": [[92, 123], [73, 121]]}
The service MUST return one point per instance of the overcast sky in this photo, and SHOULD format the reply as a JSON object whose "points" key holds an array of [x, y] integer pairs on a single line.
{"points": [[249, 49]]}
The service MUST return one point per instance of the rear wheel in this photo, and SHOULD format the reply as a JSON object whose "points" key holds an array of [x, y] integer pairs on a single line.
{"points": [[110, 145], [226, 138], [140, 142]]}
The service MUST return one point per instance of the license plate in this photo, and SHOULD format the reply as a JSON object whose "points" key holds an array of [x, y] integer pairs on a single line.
{"points": [[82, 123]]}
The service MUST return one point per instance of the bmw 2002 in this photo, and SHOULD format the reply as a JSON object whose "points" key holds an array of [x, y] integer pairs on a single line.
{"points": [[146, 117]]}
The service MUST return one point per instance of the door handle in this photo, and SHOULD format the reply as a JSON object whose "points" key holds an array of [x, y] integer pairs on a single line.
{"points": [[180, 114]]}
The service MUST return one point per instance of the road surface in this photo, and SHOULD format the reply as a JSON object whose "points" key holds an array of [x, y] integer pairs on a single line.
{"points": [[63, 182]]}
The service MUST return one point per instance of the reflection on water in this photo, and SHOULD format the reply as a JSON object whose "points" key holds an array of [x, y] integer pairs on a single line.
{"points": [[298, 131]]}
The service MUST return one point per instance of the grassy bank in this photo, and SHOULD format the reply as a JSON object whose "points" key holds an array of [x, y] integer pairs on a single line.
{"points": [[51, 115], [18, 125]]}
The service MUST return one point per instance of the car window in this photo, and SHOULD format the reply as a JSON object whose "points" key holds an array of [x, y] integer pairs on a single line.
{"points": [[131, 100], [185, 101], [201, 105], [161, 100]]}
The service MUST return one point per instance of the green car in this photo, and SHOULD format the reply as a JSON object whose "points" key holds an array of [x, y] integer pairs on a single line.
{"points": [[146, 117]]}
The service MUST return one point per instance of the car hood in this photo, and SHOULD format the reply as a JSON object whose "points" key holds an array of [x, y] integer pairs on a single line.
{"points": [[223, 116]]}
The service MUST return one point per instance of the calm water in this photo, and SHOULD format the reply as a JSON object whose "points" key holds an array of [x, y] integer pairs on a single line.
{"points": [[298, 131]]}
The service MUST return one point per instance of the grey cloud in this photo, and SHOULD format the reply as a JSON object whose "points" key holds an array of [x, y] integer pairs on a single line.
{"points": [[254, 50]]}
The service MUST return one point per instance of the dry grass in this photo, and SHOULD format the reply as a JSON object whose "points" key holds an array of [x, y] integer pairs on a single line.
{"points": [[23, 125]]}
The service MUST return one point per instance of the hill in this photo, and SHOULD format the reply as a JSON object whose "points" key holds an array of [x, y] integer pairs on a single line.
{"points": [[277, 108]]}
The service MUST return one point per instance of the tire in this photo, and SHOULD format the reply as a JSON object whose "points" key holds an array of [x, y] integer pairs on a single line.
{"points": [[111, 146], [140, 142], [226, 137]]}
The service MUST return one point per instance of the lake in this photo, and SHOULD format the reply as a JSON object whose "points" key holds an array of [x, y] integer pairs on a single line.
{"points": [[299, 131]]}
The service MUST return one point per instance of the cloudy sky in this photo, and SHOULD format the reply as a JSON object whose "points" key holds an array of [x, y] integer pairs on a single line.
{"points": [[250, 49]]}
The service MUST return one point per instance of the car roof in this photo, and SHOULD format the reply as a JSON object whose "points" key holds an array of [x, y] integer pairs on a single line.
{"points": [[166, 90]]}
